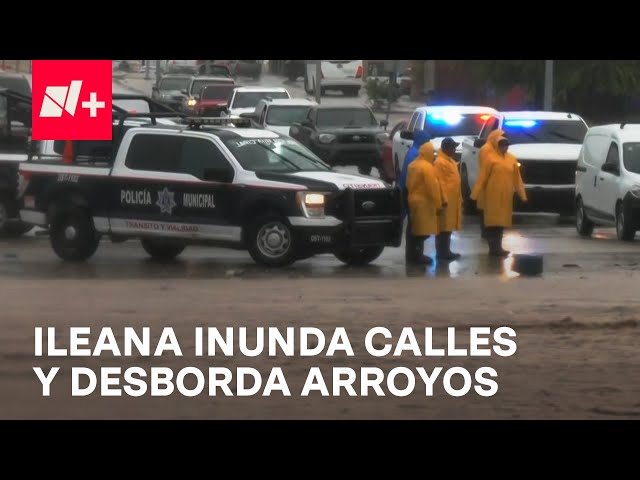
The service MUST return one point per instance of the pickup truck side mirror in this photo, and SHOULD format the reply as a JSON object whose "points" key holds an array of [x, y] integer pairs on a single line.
{"points": [[611, 168], [250, 115], [479, 142], [306, 123], [406, 135], [384, 123], [184, 92], [222, 175], [154, 89]]}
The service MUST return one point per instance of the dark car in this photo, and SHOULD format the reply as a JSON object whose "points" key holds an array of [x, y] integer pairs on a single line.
{"points": [[169, 90], [214, 69], [17, 83], [214, 99], [247, 68], [197, 84], [343, 136]]}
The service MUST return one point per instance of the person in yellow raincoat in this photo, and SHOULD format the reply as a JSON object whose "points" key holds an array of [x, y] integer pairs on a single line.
{"points": [[484, 152], [450, 219], [425, 198], [498, 181]]}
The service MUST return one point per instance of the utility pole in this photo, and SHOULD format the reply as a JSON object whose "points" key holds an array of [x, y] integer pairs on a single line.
{"points": [[393, 81], [318, 87], [158, 72], [147, 71], [548, 85]]}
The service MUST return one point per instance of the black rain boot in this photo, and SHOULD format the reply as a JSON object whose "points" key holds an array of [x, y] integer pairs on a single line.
{"points": [[495, 244], [447, 247], [420, 258], [503, 252]]}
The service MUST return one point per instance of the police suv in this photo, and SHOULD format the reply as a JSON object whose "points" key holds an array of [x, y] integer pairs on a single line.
{"points": [[209, 181]]}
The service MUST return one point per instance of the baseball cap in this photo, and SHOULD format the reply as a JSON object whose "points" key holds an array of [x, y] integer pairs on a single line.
{"points": [[449, 143]]}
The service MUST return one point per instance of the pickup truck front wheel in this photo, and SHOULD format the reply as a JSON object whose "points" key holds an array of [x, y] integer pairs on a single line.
{"points": [[358, 257], [271, 242], [72, 235], [162, 249]]}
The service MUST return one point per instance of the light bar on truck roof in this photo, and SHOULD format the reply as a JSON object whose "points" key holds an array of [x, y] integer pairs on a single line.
{"points": [[520, 123], [448, 118], [220, 121]]}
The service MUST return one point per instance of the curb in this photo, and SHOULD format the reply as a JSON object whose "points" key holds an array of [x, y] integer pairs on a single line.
{"points": [[122, 82]]}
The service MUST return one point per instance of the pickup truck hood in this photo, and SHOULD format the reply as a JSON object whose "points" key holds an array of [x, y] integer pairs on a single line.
{"points": [[237, 111], [213, 103], [351, 130], [343, 180], [280, 129], [172, 93], [546, 151]]}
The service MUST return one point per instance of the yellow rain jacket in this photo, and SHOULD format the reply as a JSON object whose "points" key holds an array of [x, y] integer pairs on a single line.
{"points": [[449, 177], [425, 193], [484, 152], [498, 181]]}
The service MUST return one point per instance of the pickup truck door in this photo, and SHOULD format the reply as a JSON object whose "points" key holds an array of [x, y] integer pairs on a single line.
{"points": [[174, 186]]}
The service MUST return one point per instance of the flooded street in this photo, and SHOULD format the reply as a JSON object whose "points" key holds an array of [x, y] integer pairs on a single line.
{"points": [[577, 327]]}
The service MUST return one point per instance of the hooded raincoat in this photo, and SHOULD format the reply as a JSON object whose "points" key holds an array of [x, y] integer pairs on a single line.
{"points": [[425, 194], [484, 152], [449, 178], [498, 181], [420, 137]]}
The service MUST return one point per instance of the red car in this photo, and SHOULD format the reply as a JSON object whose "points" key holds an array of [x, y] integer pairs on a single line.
{"points": [[389, 173], [213, 99]]}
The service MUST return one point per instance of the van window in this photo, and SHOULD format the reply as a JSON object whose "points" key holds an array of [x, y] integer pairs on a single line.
{"points": [[595, 149], [631, 157], [613, 157]]}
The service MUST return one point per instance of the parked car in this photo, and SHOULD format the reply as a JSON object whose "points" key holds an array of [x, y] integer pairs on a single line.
{"points": [[280, 114], [343, 136], [343, 75], [390, 170], [170, 89], [246, 68], [245, 99], [214, 69], [213, 101], [608, 180]]}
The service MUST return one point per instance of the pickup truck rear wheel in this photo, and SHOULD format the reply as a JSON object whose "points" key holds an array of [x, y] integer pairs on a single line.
{"points": [[162, 249], [72, 234], [359, 256], [271, 242]]}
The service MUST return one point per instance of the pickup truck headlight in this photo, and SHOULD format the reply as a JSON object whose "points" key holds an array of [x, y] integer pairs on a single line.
{"points": [[191, 102], [326, 138], [312, 204], [381, 137], [635, 191]]}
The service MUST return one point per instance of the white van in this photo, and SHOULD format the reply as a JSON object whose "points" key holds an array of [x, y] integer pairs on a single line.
{"points": [[608, 180], [343, 75]]}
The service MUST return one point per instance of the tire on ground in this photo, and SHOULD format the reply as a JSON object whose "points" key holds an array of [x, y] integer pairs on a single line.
{"points": [[625, 230], [271, 241], [359, 256], [584, 226], [72, 234], [160, 249]]}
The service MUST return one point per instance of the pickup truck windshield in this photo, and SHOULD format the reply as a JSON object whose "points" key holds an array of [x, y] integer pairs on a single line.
{"points": [[545, 131], [198, 85], [251, 99], [346, 117], [453, 125], [631, 156], [279, 115], [174, 84], [278, 155], [217, 92]]}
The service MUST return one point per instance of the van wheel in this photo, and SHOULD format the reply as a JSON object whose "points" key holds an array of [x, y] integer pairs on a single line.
{"points": [[584, 226], [624, 228], [162, 249], [358, 257], [271, 242], [72, 234]]}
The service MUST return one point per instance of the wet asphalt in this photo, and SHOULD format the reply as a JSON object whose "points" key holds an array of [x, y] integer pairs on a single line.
{"points": [[562, 250]]}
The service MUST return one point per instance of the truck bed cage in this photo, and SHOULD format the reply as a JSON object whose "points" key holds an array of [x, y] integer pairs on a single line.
{"points": [[241, 122]]}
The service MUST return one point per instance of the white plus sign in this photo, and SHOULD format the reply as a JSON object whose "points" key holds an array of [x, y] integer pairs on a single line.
{"points": [[93, 104]]}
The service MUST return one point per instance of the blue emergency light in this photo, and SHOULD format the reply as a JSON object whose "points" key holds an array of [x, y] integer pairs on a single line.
{"points": [[520, 123], [448, 118]]}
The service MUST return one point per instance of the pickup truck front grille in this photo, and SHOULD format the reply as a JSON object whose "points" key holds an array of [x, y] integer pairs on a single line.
{"points": [[356, 138], [367, 203], [545, 172]]}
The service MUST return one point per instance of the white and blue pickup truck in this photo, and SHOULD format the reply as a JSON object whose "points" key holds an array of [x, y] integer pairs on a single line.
{"points": [[547, 146], [212, 182]]}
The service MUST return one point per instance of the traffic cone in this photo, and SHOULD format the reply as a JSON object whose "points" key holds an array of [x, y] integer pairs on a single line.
{"points": [[67, 156]]}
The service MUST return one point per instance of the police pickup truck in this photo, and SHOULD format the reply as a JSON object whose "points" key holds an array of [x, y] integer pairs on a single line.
{"points": [[211, 181]]}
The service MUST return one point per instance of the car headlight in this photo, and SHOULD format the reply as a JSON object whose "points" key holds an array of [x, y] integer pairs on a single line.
{"points": [[635, 191], [312, 204], [381, 137], [191, 102], [326, 138]]}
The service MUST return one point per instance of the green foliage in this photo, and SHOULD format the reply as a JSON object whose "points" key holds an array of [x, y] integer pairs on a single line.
{"points": [[380, 92]]}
